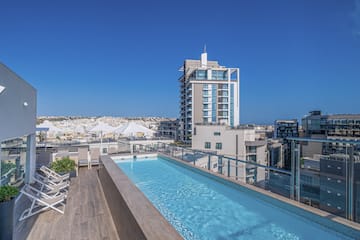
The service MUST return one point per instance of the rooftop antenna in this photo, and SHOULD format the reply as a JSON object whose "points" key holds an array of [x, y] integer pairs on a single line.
{"points": [[205, 48]]}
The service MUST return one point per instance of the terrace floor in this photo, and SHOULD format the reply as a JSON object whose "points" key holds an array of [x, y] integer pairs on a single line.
{"points": [[87, 215]]}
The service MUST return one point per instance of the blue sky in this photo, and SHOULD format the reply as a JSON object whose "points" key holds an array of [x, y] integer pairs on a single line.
{"points": [[122, 58]]}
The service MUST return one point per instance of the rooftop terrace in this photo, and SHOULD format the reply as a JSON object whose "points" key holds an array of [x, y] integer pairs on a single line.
{"points": [[87, 215]]}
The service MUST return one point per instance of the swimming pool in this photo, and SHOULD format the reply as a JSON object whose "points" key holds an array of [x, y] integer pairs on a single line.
{"points": [[201, 208]]}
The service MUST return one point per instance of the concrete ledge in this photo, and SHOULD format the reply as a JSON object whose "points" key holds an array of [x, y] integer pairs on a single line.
{"points": [[134, 215]]}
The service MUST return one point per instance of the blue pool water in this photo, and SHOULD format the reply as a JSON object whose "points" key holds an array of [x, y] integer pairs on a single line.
{"points": [[202, 208]]}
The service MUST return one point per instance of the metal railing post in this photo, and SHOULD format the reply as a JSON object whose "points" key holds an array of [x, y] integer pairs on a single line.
{"points": [[292, 183], [350, 183], [220, 164], [209, 161], [297, 172], [228, 168], [236, 168], [237, 155]]}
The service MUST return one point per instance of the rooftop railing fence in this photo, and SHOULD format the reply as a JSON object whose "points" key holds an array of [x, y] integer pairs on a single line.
{"points": [[324, 174]]}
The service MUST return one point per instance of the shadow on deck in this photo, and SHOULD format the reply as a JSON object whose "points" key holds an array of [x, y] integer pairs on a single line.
{"points": [[87, 215]]}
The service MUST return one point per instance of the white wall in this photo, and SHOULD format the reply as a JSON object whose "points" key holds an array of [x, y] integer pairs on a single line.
{"points": [[16, 120], [205, 133]]}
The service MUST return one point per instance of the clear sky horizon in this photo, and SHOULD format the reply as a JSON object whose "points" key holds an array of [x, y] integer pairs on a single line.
{"points": [[120, 58]]}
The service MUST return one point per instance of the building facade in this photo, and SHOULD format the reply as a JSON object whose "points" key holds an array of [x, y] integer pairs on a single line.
{"points": [[169, 129], [209, 93], [236, 142], [17, 123], [284, 129], [336, 126], [332, 127]]}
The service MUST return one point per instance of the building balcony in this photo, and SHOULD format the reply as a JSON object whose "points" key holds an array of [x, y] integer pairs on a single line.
{"points": [[222, 100]]}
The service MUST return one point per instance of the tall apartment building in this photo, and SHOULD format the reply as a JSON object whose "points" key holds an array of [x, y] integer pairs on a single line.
{"points": [[209, 93]]}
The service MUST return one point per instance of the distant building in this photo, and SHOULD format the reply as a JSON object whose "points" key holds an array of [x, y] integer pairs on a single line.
{"points": [[275, 153], [169, 129], [337, 127], [313, 124], [337, 155], [284, 129], [236, 142], [17, 135], [209, 93], [331, 126]]}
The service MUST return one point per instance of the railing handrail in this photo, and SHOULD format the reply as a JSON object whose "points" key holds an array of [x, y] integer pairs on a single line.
{"points": [[354, 142]]}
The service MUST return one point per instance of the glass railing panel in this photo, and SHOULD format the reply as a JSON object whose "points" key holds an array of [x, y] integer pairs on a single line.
{"points": [[328, 176], [323, 174], [13, 161], [279, 183]]}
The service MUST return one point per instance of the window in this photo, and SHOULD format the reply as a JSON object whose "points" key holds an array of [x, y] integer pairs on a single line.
{"points": [[194, 130], [219, 74], [251, 158], [251, 149], [207, 145], [218, 146], [201, 74], [205, 106], [217, 133]]}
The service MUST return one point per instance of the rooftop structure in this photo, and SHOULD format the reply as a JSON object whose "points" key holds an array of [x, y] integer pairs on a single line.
{"points": [[17, 121], [17, 139]]}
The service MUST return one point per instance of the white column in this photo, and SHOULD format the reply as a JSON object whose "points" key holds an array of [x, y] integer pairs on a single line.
{"points": [[30, 158]]}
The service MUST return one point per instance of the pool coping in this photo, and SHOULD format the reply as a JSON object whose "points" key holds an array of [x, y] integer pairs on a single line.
{"points": [[331, 221], [135, 217]]}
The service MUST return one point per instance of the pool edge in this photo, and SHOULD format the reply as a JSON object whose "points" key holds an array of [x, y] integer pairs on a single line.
{"points": [[134, 215]]}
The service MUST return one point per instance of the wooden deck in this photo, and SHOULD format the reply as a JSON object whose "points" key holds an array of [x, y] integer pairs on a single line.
{"points": [[87, 215]]}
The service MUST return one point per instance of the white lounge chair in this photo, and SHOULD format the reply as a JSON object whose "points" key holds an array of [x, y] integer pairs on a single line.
{"points": [[94, 156], [49, 187], [54, 176], [41, 202], [83, 157]]}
